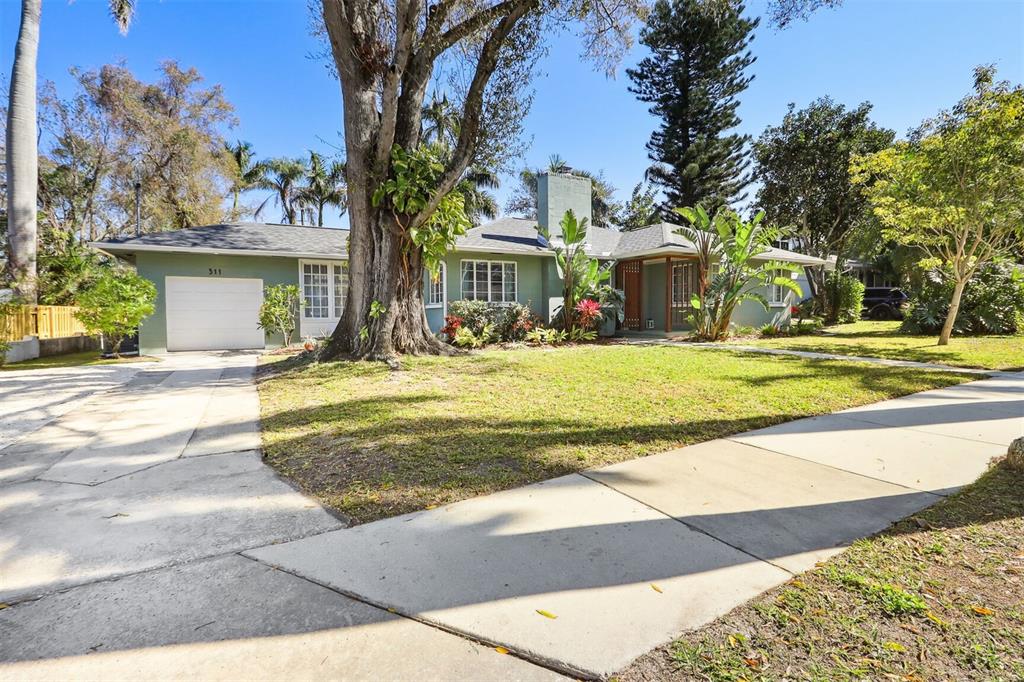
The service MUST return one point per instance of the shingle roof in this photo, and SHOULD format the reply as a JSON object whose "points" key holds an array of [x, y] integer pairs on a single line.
{"points": [[242, 237], [506, 235]]}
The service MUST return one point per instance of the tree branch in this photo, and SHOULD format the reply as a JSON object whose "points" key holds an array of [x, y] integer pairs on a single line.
{"points": [[472, 108]]}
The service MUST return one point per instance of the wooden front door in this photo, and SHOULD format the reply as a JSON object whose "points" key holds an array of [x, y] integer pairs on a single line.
{"points": [[631, 276]]}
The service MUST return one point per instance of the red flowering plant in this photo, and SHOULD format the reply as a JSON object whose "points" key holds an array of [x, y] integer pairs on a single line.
{"points": [[588, 312], [451, 325]]}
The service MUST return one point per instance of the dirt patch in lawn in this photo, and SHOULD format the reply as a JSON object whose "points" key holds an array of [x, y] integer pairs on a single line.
{"points": [[939, 596]]}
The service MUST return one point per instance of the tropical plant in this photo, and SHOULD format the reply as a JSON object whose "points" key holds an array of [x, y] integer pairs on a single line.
{"points": [[479, 202], [21, 148], [115, 305], [703, 235], [283, 178], [993, 302], [588, 312], [955, 189], [546, 335], [474, 315], [280, 310], [441, 121], [512, 321], [325, 186], [246, 172], [67, 267], [640, 210], [740, 273], [580, 274]]}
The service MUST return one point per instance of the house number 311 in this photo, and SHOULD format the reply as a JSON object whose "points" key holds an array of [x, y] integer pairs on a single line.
{"points": [[214, 271]]}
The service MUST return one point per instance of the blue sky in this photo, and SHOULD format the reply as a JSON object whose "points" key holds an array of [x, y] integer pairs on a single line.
{"points": [[909, 58]]}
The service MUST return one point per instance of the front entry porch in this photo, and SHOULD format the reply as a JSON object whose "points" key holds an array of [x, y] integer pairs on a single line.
{"points": [[658, 292]]}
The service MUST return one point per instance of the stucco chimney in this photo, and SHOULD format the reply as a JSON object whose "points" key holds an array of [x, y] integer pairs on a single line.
{"points": [[559, 192]]}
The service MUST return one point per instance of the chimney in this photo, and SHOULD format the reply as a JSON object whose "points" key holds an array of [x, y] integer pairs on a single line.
{"points": [[559, 192]]}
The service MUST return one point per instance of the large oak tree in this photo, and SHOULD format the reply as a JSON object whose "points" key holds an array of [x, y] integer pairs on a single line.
{"points": [[387, 55]]}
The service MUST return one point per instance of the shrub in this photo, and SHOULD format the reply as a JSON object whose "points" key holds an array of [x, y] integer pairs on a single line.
{"points": [[475, 315], [992, 303], [279, 310], [770, 329], [115, 304], [588, 312], [452, 323], [541, 335], [803, 327], [513, 321], [846, 298]]}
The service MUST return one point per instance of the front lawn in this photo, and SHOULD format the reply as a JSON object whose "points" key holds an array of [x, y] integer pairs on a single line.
{"points": [[939, 596], [884, 340], [373, 443]]}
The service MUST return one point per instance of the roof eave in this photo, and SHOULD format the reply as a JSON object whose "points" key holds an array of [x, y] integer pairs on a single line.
{"points": [[113, 248]]}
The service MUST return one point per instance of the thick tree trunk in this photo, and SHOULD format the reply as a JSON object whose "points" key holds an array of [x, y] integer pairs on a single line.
{"points": [[954, 308], [22, 155]]}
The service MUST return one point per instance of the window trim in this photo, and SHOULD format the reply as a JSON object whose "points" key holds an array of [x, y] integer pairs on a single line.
{"points": [[444, 288], [334, 315], [772, 303], [462, 281]]}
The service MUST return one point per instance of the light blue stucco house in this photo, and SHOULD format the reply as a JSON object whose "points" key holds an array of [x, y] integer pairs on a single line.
{"points": [[210, 279]]}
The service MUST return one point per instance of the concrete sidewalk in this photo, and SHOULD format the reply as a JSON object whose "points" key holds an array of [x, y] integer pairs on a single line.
{"points": [[586, 572]]}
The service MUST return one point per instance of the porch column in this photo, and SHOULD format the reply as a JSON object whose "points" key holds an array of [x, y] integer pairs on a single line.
{"points": [[668, 294]]}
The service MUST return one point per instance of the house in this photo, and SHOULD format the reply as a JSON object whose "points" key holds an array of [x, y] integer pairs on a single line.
{"points": [[210, 279]]}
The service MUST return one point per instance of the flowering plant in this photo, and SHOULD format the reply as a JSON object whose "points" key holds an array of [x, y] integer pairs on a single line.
{"points": [[588, 312], [452, 323]]}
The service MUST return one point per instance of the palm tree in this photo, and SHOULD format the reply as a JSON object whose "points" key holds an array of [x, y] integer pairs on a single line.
{"points": [[22, 152], [325, 186], [441, 122], [282, 179], [246, 172], [479, 203]]}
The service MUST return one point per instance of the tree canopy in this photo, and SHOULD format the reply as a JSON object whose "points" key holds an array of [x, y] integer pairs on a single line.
{"points": [[955, 189], [692, 79]]}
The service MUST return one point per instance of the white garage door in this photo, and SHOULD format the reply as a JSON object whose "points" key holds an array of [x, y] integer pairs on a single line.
{"points": [[213, 313]]}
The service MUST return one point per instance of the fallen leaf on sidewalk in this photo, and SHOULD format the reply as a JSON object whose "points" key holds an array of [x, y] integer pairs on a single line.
{"points": [[501, 649], [982, 611], [546, 614], [656, 588]]}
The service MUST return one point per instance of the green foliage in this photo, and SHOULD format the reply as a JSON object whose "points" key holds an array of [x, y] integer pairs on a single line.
{"points": [[737, 245], [845, 295], [66, 267], [475, 315], [955, 189], [640, 210], [582, 276], [510, 322], [547, 336], [465, 338], [803, 165], [116, 304], [280, 309], [523, 201], [993, 302], [415, 177], [692, 80], [893, 599]]}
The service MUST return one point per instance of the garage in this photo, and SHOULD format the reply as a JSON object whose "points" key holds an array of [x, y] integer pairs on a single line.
{"points": [[213, 313]]}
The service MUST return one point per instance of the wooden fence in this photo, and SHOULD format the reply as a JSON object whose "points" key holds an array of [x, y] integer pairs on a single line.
{"points": [[44, 321]]}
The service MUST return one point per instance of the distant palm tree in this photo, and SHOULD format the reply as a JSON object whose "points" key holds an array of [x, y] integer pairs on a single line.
{"points": [[441, 122], [283, 178], [246, 172], [22, 150], [325, 186], [479, 203]]}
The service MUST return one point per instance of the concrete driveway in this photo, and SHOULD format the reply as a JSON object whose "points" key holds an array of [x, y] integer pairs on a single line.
{"points": [[127, 495]]}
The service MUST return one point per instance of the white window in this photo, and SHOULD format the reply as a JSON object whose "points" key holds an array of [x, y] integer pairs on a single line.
{"points": [[340, 287], [315, 290], [777, 293], [491, 281], [324, 286], [435, 288]]}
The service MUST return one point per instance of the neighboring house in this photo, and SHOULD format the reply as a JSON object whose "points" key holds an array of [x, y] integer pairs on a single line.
{"points": [[210, 279]]}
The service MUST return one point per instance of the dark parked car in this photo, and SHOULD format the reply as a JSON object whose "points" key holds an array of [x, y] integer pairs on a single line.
{"points": [[884, 303]]}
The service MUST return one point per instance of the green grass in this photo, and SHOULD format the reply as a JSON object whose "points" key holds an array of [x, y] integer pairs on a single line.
{"points": [[939, 596], [374, 443], [85, 358], [884, 340]]}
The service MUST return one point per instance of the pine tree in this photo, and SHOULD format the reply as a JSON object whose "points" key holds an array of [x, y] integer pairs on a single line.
{"points": [[692, 80]]}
